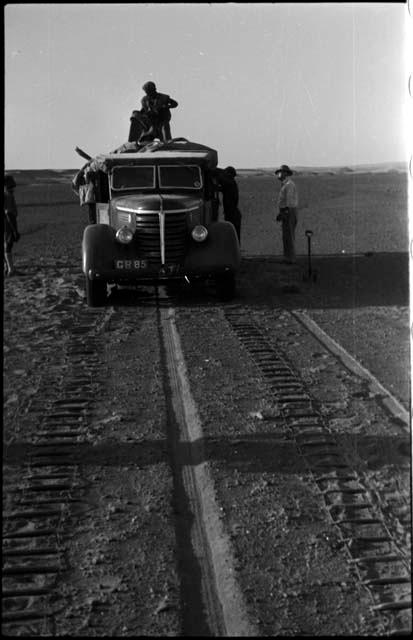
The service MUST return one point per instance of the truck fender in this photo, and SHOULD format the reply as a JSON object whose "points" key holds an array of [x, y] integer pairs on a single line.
{"points": [[97, 247], [220, 250]]}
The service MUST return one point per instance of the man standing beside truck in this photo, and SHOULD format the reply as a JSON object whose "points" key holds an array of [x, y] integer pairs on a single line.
{"points": [[287, 205], [230, 197], [11, 233]]}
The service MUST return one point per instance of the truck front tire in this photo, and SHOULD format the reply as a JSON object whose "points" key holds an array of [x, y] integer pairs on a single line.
{"points": [[225, 286], [96, 292]]}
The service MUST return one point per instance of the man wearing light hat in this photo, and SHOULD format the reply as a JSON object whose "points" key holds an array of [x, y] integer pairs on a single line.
{"points": [[287, 204]]}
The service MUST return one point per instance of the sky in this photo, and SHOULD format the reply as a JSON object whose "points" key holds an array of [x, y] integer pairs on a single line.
{"points": [[306, 84]]}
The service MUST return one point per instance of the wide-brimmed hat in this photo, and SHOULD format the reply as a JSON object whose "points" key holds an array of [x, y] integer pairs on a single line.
{"points": [[284, 169]]}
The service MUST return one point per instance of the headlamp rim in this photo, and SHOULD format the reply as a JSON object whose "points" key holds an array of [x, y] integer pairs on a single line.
{"points": [[119, 235], [203, 230]]}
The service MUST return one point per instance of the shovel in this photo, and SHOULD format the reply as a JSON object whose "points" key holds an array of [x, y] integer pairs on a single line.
{"points": [[312, 275]]}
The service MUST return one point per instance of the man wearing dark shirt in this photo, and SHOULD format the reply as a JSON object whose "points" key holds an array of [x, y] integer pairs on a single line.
{"points": [[11, 233], [229, 189], [156, 107]]}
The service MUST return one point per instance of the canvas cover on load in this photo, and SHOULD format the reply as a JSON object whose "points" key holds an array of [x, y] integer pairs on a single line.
{"points": [[175, 151], [178, 150]]}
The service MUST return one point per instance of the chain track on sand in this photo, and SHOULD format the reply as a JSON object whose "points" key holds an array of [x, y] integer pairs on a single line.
{"points": [[382, 567], [33, 553], [50, 487], [37, 507]]}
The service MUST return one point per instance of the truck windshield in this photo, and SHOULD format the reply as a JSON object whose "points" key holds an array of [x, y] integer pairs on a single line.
{"points": [[183, 177], [133, 177]]}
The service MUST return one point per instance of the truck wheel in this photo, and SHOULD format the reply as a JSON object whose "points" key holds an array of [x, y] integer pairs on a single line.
{"points": [[225, 286], [96, 292]]}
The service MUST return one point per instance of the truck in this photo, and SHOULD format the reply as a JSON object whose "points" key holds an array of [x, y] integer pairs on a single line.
{"points": [[156, 219]]}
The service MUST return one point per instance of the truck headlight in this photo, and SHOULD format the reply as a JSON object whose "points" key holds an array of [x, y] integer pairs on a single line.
{"points": [[124, 235], [199, 233]]}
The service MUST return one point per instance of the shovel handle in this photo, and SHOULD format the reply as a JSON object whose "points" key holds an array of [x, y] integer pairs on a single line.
{"points": [[309, 233], [83, 154]]}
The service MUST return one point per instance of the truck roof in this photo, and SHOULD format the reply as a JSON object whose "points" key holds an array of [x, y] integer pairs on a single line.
{"points": [[177, 151]]}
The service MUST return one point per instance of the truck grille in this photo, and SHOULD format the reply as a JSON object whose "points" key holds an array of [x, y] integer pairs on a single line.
{"points": [[149, 238]]}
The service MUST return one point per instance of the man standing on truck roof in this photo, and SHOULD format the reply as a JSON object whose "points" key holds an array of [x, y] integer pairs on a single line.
{"points": [[287, 205], [156, 106]]}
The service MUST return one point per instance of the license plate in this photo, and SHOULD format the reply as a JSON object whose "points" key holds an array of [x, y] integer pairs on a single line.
{"points": [[131, 265]]}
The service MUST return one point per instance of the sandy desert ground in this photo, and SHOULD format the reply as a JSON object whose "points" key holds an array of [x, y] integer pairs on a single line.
{"points": [[360, 298]]}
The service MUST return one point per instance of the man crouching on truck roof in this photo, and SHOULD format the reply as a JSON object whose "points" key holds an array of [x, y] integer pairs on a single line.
{"points": [[156, 106]]}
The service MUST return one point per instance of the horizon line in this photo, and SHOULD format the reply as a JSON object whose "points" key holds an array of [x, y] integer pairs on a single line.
{"points": [[266, 168]]}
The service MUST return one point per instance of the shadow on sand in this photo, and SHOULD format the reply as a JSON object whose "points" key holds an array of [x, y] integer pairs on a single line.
{"points": [[345, 282]]}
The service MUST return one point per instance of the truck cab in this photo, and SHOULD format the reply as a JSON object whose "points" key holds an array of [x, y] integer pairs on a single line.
{"points": [[157, 221]]}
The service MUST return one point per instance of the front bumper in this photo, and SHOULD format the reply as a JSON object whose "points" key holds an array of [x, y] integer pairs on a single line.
{"points": [[163, 274]]}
